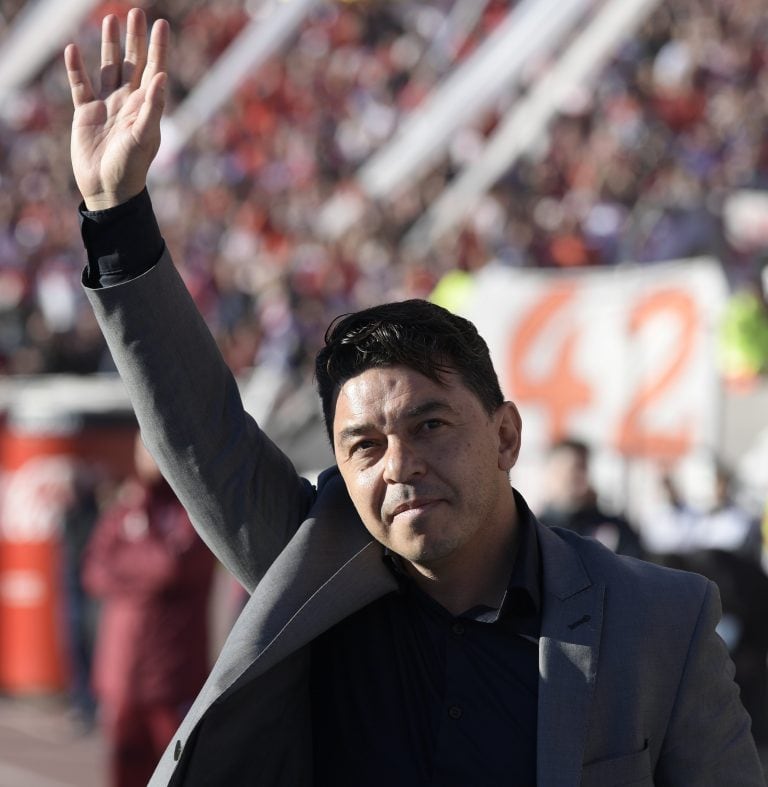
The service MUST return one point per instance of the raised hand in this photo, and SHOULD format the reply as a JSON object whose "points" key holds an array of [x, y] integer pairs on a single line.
{"points": [[116, 133]]}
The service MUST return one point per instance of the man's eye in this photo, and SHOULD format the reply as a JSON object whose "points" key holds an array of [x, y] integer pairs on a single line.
{"points": [[432, 424], [362, 445]]}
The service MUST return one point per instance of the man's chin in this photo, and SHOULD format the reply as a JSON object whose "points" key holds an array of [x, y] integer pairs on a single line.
{"points": [[424, 552]]}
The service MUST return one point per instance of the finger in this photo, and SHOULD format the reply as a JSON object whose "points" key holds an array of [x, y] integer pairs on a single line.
{"points": [[147, 125], [135, 47], [79, 82], [157, 59], [110, 55]]}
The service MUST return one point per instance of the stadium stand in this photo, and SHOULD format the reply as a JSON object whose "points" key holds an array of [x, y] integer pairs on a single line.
{"points": [[640, 169]]}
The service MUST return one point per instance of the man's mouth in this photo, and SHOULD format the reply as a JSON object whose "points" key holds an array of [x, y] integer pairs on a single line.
{"points": [[414, 506]]}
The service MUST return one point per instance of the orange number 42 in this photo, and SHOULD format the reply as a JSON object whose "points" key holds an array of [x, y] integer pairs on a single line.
{"points": [[562, 391]]}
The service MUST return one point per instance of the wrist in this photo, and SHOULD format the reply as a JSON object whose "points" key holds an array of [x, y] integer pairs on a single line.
{"points": [[106, 200]]}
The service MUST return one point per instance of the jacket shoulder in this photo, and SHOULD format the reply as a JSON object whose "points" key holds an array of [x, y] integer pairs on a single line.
{"points": [[633, 577]]}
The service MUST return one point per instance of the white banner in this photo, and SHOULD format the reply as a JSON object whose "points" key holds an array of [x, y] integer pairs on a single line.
{"points": [[623, 358]]}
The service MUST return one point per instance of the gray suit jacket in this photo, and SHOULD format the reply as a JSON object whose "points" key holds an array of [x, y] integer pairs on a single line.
{"points": [[635, 686]]}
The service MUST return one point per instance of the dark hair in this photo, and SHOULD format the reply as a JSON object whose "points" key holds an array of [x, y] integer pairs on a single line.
{"points": [[571, 445], [415, 333]]}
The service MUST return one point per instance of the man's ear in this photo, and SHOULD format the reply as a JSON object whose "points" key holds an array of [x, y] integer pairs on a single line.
{"points": [[510, 430]]}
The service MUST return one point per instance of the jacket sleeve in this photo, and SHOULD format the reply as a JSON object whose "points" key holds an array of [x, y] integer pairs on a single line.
{"points": [[708, 741], [242, 493]]}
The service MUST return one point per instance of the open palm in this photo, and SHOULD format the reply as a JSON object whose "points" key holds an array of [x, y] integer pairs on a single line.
{"points": [[116, 132]]}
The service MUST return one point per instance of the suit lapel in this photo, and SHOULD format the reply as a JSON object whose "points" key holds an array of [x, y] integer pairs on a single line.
{"points": [[331, 568], [568, 654]]}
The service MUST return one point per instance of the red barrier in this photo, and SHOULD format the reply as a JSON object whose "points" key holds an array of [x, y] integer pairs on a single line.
{"points": [[49, 426]]}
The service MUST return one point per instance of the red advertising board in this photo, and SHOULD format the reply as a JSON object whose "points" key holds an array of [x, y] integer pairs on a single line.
{"points": [[48, 427]]}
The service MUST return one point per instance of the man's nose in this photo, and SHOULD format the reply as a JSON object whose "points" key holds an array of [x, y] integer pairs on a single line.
{"points": [[402, 462]]}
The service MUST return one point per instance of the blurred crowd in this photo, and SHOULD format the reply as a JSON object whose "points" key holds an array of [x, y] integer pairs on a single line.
{"points": [[641, 169]]}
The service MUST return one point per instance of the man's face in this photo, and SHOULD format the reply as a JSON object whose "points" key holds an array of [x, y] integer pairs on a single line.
{"points": [[425, 465]]}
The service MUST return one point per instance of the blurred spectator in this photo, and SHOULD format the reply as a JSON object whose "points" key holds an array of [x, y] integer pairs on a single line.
{"points": [[743, 338], [570, 500], [744, 595], [722, 541], [679, 527], [153, 575], [78, 520], [764, 536]]}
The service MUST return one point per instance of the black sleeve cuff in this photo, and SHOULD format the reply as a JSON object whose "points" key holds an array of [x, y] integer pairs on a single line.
{"points": [[122, 242]]}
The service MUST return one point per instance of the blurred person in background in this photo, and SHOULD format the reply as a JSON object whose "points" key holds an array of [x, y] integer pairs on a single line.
{"points": [[722, 540], [743, 589], [153, 575], [571, 501], [764, 536], [79, 518], [743, 337], [679, 526]]}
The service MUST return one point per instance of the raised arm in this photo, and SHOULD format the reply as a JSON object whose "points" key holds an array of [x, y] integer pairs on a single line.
{"points": [[241, 492], [116, 131]]}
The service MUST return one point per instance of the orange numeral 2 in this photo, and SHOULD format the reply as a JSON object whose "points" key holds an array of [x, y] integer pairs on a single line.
{"points": [[634, 437]]}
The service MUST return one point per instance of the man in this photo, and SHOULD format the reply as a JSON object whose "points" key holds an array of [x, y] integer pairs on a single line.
{"points": [[153, 575], [410, 622], [571, 501]]}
